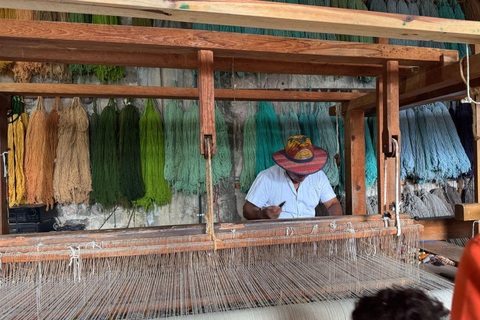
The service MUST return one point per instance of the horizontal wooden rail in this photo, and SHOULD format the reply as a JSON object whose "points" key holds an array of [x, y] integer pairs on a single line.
{"points": [[43, 35], [264, 14], [84, 90], [184, 61]]}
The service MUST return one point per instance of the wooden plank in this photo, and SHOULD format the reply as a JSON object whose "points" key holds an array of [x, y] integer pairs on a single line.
{"points": [[184, 61], [448, 228], [4, 105], [476, 148], [442, 83], [467, 211], [390, 107], [380, 155], [259, 228], [42, 34], [263, 14], [84, 90], [355, 189], [448, 250], [206, 101]]}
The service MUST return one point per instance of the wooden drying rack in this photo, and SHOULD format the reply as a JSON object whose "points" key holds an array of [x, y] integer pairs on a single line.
{"points": [[406, 76]]}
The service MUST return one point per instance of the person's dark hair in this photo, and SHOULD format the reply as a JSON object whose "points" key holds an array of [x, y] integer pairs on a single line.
{"points": [[399, 304]]}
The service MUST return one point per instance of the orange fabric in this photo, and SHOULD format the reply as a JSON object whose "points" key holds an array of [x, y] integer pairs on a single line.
{"points": [[466, 293]]}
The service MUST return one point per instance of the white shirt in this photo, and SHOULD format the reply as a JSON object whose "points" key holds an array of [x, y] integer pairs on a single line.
{"points": [[273, 186]]}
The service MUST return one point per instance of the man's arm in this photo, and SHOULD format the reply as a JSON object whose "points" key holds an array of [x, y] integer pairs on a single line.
{"points": [[333, 206], [252, 212]]}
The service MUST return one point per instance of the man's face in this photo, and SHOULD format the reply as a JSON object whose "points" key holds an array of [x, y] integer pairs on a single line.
{"points": [[296, 178]]}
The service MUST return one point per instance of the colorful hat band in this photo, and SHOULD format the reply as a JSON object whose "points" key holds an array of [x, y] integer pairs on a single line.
{"points": [[301, 160]]}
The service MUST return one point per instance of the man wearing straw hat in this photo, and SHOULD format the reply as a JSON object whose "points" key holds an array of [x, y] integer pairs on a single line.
{"points": [[294, 186]]}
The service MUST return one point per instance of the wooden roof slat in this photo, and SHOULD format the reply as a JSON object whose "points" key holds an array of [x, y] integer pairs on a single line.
{"points": [[263, 14], [125, 39], [83, 90]]}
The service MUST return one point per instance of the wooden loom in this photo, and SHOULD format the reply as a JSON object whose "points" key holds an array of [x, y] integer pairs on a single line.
{"points": [[426, 75]]}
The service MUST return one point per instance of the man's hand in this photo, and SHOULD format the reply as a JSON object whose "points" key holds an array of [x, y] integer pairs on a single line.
{"points": [[272, 212], [251, 212]]}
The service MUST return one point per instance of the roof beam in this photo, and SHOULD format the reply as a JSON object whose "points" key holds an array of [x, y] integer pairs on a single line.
{"points": [[83, 90], [263, 14], [183, 61], [442, 83], [43, 35]]}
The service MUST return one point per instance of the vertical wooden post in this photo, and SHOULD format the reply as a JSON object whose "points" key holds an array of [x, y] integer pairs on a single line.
{"points": [[355, 190], [380, 155], [206, 90], [388, 128], [4, 104], [476, 148]]}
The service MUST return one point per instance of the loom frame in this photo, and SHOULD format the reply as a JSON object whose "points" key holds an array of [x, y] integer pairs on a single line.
{"points": [[422, 80]]}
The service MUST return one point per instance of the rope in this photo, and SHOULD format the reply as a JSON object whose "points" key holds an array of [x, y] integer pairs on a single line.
{"points": [[475, 91]]}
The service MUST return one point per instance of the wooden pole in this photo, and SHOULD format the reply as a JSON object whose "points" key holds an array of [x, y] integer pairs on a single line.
{"points": [[206, 100], [355, 189], [388, 129], [4, 104]]}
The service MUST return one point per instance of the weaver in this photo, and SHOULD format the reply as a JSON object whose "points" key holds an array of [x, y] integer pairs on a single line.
{"points": [[295, 269]]}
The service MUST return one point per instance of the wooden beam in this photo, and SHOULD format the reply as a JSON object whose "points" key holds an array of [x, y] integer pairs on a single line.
{"points": [[380, 155], [206, 102], [84, 90], [263, 14], [439, 84], [4, 105], [184, 61], [355, 189], [43, 35], [476, 148], [391, 127], [448, 228], [467, 211]]}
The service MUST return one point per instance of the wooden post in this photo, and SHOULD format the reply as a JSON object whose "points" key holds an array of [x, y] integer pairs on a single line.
{"points": [[476, 148], [4, 104], [206, 99], [388, 128], [355, 189]]}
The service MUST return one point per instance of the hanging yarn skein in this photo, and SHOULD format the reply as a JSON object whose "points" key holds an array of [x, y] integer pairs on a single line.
{"points": [[463, 122], [108, 192], [34, 144], [130, 164], [17, 128], [49, 155], [152, 151], [192, 175], [72, 182], [407, 159], [173, 142], [312, 123], [221, 160], [327, 137], [95, 153], [458, 160], [268, 136], [249, 153], [108, 73], [370, 158], [289, 123], [303, 122]]}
